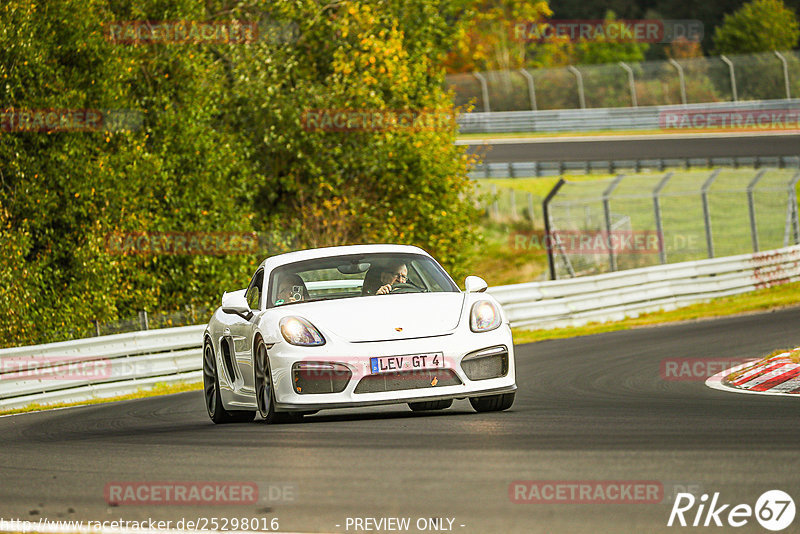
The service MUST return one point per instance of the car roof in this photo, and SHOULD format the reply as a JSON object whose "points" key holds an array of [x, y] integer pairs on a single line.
{"points": [[327, 252]]}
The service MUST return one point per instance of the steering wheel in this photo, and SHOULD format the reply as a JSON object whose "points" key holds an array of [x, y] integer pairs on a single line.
{"points": [[406, 287]]}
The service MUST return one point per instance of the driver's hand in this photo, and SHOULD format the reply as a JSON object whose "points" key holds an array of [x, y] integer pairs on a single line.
{"points": [[384, 290]]}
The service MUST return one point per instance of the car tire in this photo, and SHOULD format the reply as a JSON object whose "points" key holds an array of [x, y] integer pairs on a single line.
{"points": [[265, 397], [430, 405], [265, 393], [493, 403], [211, 391]]}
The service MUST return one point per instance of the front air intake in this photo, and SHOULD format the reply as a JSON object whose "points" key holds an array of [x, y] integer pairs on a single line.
{"points": [[310, 378], [486, 363]]}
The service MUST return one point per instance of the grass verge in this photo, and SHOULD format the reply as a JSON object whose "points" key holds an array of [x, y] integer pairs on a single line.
{"points": [[159, 388], [773, 298]]}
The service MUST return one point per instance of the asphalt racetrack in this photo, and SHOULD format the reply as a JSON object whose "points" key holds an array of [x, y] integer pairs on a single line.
{"points": [[635, 147], [588, 409]]}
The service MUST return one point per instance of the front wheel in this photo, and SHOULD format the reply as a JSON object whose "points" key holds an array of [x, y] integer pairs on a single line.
{"points": [[216, 411], [263, 383], [493, 403], [265, 393]]}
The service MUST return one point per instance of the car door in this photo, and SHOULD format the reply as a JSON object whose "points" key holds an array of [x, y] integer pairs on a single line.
{"points": [[241, 336]]}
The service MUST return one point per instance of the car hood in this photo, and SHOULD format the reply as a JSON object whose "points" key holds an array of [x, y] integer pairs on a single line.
{"points": [[386, 317]]}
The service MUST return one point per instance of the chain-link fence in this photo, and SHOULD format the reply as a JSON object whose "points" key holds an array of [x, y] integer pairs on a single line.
{"points": [[765, 76], [635, 221], [142, 321]]}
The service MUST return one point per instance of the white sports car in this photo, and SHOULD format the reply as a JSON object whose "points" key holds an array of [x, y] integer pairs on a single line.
{"points": [[352, 326]]}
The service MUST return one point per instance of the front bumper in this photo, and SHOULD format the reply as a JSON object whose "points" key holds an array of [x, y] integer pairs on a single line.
{"points": [[356, 357]]}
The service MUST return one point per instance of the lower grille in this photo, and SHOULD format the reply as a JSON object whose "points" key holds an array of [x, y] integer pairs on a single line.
{"points": [[485, 364], [429, 378], [320, 377]]}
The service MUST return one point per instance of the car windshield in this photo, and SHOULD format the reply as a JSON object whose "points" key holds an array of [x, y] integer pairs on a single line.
{"points": [[363, 275]]}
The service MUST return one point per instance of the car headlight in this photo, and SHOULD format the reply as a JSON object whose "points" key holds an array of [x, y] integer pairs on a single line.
{"points": [[298, 331], [484, 316]]}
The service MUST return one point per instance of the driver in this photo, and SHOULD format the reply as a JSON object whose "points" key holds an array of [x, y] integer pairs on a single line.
{"points": [[395, 271]]}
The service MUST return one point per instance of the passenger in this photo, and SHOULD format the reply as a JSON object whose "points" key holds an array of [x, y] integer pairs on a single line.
{"points": [[291, 289]]}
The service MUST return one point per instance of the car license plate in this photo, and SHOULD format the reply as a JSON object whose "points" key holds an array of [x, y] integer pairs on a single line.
{"points": [[409, 362]]}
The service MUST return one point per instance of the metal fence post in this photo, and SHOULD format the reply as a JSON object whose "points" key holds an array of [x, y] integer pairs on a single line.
{"points": [[729, 63], [751, 208], [530, 206], [513, 202], [547, 229], [495, 209], [484, 91], [706, 214], [612, 260], [785, 74], [631, 83], [143, 320], [794, 209], [531, 88], [662, 249], [579, 78], [681, 78]]}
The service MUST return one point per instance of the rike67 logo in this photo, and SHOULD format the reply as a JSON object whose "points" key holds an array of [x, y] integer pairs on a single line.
{"points": [[774, 510]]}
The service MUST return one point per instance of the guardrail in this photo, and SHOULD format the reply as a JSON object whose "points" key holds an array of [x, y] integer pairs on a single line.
{"points": [[99, 367], [535, 169], [613, 296], [634, 118], [74, 371]]}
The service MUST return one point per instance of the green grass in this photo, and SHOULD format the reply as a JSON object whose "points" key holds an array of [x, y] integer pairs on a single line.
{"points": [[159, 388], [578, 206], [783, 296]]}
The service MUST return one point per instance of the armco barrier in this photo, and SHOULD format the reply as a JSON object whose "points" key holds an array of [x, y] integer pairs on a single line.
{"points": [[535, 169], [139, 359], [121, 363], [595, 119], [613, 296]]}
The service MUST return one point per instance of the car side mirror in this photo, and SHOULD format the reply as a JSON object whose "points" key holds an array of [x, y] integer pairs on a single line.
{"points": [[236, 303], [475, 284]]}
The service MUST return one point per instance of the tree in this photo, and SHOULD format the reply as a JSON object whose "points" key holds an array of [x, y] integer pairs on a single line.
{"points": [[492, 40], [361, 185], [221, 148], [758, 26]]}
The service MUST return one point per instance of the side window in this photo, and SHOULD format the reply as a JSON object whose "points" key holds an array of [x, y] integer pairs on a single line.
{"points": [[253, 294]]}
